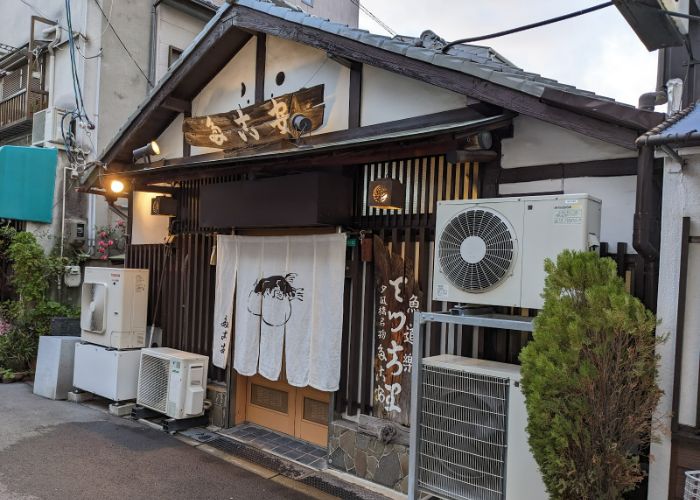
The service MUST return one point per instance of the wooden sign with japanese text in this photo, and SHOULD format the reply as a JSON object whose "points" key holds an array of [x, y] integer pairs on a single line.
{"points": [[398, 297], [257, 124]]}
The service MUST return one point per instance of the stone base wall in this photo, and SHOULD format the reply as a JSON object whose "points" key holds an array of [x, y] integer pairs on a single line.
{"points": [[365, 456]]}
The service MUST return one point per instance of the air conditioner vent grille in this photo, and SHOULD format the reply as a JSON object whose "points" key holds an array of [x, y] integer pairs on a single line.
{"points": [[462, 434], [476, 249], [153, 382]]}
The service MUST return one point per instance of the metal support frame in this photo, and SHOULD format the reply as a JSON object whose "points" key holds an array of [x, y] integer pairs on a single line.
{"points": [[420, 320]]}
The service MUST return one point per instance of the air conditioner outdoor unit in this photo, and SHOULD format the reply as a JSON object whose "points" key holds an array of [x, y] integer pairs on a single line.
{"points": [[46, 128], [113, 307], [172, 382], [492, 251], [472, 441]]}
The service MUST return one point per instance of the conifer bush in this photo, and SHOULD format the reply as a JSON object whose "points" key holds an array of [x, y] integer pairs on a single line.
{"points": [[589, 379]]}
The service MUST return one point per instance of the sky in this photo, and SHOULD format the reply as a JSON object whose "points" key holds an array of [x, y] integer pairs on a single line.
{"points": [[597, 51]]}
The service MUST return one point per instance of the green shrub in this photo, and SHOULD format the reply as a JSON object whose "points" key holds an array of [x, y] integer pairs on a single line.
{"points": [[589, 379], [24, 320]]}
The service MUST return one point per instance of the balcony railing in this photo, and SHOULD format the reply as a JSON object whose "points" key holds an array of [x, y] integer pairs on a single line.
{"points": [[21, 106]]}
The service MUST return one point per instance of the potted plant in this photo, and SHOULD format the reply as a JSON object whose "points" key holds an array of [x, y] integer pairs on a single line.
{"points": [[589, 379]]}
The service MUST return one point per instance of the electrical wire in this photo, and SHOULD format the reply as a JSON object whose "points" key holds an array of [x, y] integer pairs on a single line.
{"points": [[133, 59], [528, 26], [374, 17]]}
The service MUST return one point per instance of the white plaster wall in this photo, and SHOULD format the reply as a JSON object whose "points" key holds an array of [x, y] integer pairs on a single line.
{"points": [[175, 28], [147, 229], [617, 194], [536, 142], [223, 92], [305, 67], [387, 97], [170, 141], [680, 198]]}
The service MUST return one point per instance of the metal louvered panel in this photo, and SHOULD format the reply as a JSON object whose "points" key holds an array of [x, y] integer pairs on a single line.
{"points": [[154, 377], [462, 434], [477, 249]]}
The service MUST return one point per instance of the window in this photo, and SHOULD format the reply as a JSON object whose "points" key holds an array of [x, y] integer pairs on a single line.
{"points": [[173, 55]]}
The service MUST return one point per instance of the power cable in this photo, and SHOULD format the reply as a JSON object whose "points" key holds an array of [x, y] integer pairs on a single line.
{"points": [[528, 26], [109, 23], [374, 17]]}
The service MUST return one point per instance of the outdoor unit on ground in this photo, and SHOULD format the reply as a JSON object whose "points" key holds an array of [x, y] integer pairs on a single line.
{"points": [[492, 251], [472, 442], [113, 307], [172, 382]]}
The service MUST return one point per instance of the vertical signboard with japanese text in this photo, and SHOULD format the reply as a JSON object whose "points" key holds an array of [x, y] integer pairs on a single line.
{"points": [[398, 297]]}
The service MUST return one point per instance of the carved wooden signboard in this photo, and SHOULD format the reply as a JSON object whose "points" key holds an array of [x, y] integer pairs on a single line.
{"points": [[398, 297], [258, 124]]}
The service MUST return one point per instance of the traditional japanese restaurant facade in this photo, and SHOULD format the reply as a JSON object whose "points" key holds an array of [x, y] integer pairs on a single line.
{"points": [[283, 135]]}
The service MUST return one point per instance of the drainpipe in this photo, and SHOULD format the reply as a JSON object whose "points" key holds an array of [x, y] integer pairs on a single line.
{"points": [[646, 236]]}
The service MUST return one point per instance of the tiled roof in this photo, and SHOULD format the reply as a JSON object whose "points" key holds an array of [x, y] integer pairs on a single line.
{"points": [[680, 128], [478, 61]]}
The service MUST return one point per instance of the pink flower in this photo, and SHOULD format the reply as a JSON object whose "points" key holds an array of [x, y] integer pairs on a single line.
{"points": [[120, 223], [110, 243], [104, 257], [103, 234], [101, 243], [101, 250]]}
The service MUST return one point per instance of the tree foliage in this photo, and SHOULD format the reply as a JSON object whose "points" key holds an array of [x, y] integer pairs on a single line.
{"points": [[24, 320], [589, 379]]}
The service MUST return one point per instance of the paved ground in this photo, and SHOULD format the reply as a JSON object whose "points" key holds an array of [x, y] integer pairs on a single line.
{"points": [[60, 450]]}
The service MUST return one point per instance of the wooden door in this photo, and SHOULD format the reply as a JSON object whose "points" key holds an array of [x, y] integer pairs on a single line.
{"points": [[299, 412]]}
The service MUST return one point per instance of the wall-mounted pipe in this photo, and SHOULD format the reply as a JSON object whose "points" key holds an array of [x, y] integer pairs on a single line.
{"points": [[646, 237]]}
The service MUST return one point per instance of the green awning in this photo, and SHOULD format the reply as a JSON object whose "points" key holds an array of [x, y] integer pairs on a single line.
{"points": [[27, 177]]}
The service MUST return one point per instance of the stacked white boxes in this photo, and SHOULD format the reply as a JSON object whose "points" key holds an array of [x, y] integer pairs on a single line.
{"points": [[113, 331]]}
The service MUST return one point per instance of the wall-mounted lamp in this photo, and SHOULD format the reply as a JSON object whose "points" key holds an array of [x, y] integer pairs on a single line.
{"points": [[386, 193], [150, 149], [116, 186]]}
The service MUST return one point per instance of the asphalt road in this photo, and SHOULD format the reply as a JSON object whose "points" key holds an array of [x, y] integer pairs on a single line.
{"points": [[60, 450]]}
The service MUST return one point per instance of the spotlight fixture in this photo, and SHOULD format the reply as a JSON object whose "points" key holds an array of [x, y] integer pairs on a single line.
{"points": [[480, 141], [146, 151], [387, 194], [301, 123]]}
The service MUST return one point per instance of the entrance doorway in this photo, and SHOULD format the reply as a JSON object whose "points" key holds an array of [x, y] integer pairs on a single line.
{"points": [[299, 412]]}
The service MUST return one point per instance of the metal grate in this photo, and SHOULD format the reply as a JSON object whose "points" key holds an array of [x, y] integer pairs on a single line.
{"points": [[92, 314], [462, 434], [153, 383], [477, 249], [692, 485]]}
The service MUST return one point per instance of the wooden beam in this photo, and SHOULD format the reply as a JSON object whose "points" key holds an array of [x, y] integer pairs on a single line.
{"points": [[186, 146], [597, 168], [174, 104], [455, 81], [355, 99], [260, 56]]}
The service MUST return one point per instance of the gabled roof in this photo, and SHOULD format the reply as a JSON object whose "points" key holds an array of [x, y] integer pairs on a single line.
{"points": [[478, 61], [680, 129], [475, 71]]}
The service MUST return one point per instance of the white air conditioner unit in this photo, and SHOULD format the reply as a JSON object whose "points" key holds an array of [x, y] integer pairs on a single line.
{"points": [[492, 251], [472, 441], [172, 382], [46, 128], [113, 307]]}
